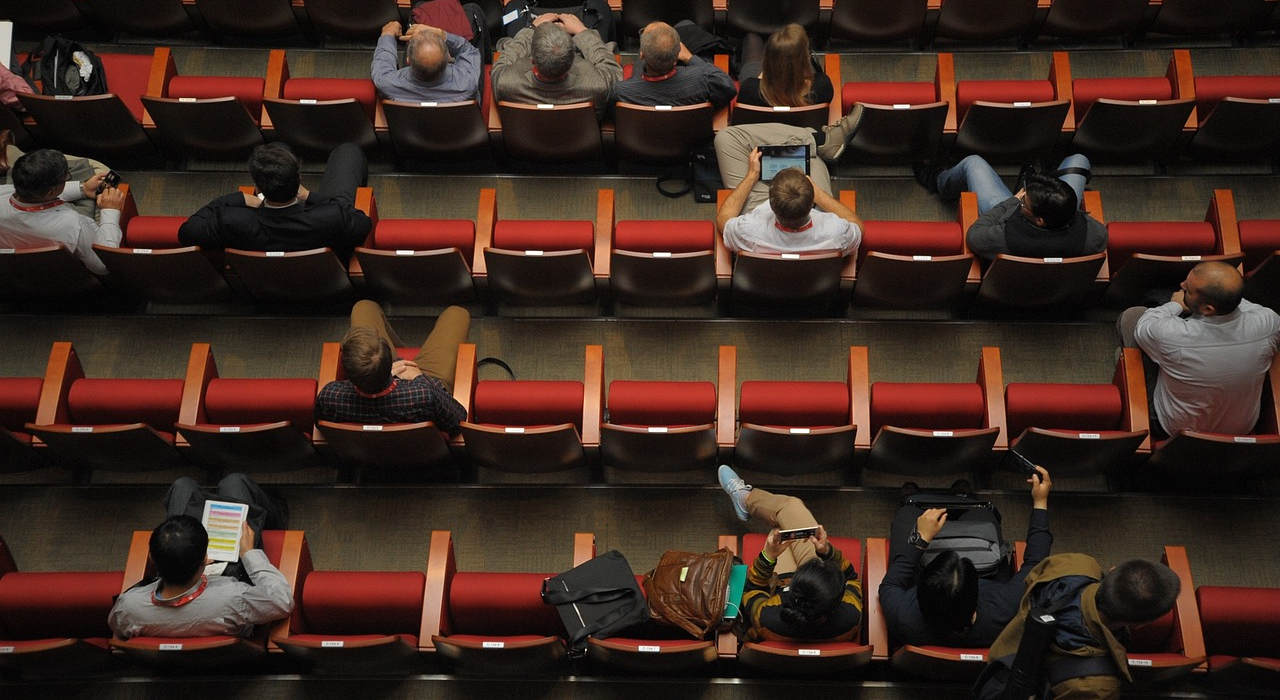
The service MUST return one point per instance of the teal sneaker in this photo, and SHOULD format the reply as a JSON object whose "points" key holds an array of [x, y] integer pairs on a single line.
{"points": [[737, 490]]}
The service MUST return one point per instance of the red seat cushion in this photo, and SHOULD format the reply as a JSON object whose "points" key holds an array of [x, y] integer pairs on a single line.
{"points": [[153, 232], [528, 403], [927, 405], [544, 235], [662, 403], [1124, 238], [248, 91], [151, 401], [1062, 406], [246, 401], [887, 93], [1008, 91], [62, 604], [1240, 621], [801, 404], [1259, 238], [359, 89], [664, 236], [363, 602], [19, 398], [127, 76], [850, 547], [1211, 89], [500, 603], [913, 237], [426, 234], [1086, 91]]}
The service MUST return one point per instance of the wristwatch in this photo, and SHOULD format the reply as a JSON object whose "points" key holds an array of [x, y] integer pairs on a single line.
{"points": [[915, 540]]}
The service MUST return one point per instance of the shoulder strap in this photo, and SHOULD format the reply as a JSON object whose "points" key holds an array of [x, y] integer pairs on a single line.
{"points": [[1062, 668]]}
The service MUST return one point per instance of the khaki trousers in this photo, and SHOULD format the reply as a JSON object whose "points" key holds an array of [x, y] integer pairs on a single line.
{"points": [[784, 513], [439, 354]]}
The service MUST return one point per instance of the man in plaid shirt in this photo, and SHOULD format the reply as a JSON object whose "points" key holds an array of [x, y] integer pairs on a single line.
{"points": [[380, 389]]}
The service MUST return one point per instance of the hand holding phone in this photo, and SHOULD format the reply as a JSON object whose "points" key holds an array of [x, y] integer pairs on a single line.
{"points": [[800, 533], [1026, 466], [111, 179]]}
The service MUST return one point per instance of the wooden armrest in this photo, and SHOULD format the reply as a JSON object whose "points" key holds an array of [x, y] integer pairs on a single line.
{"points": [[1093, 207], [1273, 381], [1060, 76], [584, 548], [440, 567], [726, 396], [1019, 553], [200, 370], [1222, 214], [944, 81], [1184, 83], [831, 66], [592, 395], [277, 76], [162, 69], [379, 118], [849, 272], [291, 559], [721, 118], [486, 217], [1130, 378], [135, 566], [604, 234], [464, 378], [62, 369], [330, 356], [991, 377], [1189, 627], [859, 379], [968, 213], [130, 209], [877, 627]]}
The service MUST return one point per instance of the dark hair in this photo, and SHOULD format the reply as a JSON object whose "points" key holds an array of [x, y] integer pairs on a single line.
{"points": [[178, 548], [1137, 591], [814, 592], [791, 196], [1051, 199], [786, 72], [274, 169], [366, 359], [37, 173], [948, 592]]}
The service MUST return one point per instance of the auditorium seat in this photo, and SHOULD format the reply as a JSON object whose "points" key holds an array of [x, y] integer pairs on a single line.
{"points": [[546, 133], [214, 117], [1260, 243], [417, 261], [354, 622], [45, 273], [105, 424], [107, 127], [1092, 19], [1157, 255], [19, 401], [159, 18], [1209, 17], [45, 16], [487, 622], [1081, 429], [54, 624], [768, 16], [1239, 117], [664, 263], [984, 20], [937, 430], [637, 14], [660, 427], [1241, 635], [1172, 646], [256, 18], [440, 131], [408, 450], [789, 658], [661, 134], [540, 262], [786, 428], [245, 425], [902, 122], [1134, 118], [532, 427], [809, 116], [315, 115], [861, 21], [287, 550], [1007, 120], [361, 20], [912, 264]]}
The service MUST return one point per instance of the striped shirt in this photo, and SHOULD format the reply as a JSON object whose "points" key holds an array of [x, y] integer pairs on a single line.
{"points": [[420, 399], [693, 84], [762, 605]]}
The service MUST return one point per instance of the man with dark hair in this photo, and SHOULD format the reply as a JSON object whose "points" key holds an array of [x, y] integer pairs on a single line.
{"points": [[670, 75], [945, 602], [556, 61], [787, 222], [440, 67], [1045, 219], [1093, 610], [1213, 349], [194, 597], [37, 211], [379, 389], [286, 216]]}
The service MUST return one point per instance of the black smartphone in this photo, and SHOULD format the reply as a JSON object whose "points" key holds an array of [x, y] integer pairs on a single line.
{"points": [[1025, 465], [800, 533], [111, 179]]}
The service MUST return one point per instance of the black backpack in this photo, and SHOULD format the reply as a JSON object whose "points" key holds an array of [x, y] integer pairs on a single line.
{"points": [[977, 539], [54, 65]]}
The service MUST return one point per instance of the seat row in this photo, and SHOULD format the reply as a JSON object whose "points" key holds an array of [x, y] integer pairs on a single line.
{"points": [[559, 430], [152, 109], [494, 623], [654, 263]]}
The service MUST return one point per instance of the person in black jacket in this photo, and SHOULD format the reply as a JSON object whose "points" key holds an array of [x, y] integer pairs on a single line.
{"points": [[286, 216], [946, 603]]}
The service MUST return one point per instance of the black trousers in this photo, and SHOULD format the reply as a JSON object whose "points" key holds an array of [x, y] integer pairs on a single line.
{"points": [[345, 170]]}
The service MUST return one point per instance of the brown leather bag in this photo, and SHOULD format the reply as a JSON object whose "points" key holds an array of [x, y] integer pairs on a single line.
{"points": [[688, 590]]}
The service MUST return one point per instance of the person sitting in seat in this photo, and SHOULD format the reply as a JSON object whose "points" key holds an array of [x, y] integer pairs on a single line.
{"points": [[556, 61], [799, 590], [671, 75], [439, 66], [780, 71], [194, 597]]}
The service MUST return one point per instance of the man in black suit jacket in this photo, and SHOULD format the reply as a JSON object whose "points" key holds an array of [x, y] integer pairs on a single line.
{"points": [[286, 216]]}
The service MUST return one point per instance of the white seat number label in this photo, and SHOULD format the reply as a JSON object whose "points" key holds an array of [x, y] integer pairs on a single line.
{"points": [[142, 251], [513, 430], [971, 657], [809, 652], [647, 649], [374, 428], [493, 645], [332, 643], [1090, 436], [922, 258], [943, 433], [170, 647], [1139, 662], [82, 428], [6, 650], [229, 429], [799, 431], [1245, 440], [657, 428]]}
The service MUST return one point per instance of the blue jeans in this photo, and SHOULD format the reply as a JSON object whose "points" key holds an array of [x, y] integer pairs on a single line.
{"points": [[975, 175]]}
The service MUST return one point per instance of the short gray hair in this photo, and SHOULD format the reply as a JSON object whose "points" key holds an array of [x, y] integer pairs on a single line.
{"points": [[660, 45], [552, 50], [429, 70]]}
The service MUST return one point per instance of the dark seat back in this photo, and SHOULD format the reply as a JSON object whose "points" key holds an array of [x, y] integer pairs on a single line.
{"points": [[431, 131]]}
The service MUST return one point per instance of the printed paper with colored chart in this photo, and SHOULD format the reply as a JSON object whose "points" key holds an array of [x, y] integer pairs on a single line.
{"points": [[223, 520]]}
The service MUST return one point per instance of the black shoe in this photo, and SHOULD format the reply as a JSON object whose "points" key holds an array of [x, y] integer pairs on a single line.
{"points": [[909, 489], [962, 487], [926, 174], [281, 521], [1024, 174]]}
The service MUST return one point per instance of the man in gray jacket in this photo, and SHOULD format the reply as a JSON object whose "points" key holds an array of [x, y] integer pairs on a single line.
{"points": [[556, 61]]}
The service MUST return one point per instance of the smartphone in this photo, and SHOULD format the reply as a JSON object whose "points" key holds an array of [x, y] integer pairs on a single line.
{"points": [[800, 533], [1025, 465], [111, 179], [775, 159]]}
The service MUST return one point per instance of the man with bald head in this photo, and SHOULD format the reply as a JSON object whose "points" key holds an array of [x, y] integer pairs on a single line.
{"points": [[439, 66], [1213, 348], [668, 74]]}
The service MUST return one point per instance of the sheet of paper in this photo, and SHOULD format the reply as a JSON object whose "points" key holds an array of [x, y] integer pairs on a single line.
{"points": [[223, 521]]}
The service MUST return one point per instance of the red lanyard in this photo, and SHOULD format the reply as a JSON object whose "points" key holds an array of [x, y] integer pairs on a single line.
{"points": [[34, 207], [390, 388], [179, 602]]}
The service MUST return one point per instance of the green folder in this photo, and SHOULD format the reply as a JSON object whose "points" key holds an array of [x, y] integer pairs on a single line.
{"points": [[737, 582]]}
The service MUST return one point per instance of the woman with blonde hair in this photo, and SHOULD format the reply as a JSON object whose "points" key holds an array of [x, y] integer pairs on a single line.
{"points": [[780, 72]]}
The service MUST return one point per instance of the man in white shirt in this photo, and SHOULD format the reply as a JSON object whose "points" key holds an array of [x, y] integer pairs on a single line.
{"points": [[1214, 349], [787, 222], [34, 210]]}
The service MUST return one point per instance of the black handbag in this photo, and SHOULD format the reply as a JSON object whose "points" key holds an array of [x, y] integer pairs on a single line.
{"points": [[597, 599]]}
